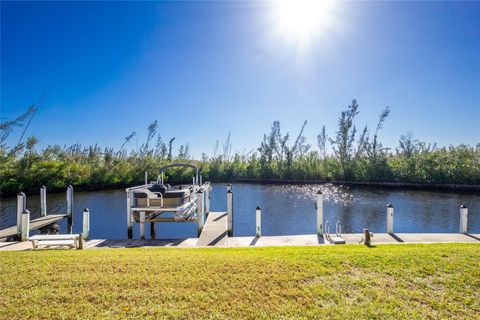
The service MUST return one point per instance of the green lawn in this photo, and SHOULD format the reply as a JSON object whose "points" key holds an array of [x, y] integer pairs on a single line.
{"points": [[438, 281]]}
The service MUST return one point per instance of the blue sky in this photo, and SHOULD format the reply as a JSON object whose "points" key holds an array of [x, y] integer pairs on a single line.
{"points": [[205, 69]]}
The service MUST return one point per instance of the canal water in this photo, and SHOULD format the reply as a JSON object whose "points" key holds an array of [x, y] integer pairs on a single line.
{"points": [[286, 210]]}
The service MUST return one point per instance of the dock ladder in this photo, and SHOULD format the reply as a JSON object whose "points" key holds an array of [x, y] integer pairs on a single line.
{"points": [[337, 238]]}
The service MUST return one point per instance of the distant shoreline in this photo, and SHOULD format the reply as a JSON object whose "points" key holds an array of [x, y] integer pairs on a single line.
{"points": [[467, 188]]}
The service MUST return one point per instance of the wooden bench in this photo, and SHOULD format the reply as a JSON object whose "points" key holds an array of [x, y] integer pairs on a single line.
{"points": [[57, 240]]}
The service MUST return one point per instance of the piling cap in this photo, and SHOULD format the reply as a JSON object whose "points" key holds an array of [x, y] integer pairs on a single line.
{"points": [[21, 194], [26, 211], [199, 191], [258, 208], [389, 205], [86, 210], [229, 191], [319, 192], [43, 187], [463, 206]]}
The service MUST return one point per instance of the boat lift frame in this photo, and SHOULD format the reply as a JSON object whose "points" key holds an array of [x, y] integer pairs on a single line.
{"points": [[192, 211]]}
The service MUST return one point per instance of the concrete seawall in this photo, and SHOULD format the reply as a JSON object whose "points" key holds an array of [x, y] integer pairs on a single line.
{"points": [[268, 241]]}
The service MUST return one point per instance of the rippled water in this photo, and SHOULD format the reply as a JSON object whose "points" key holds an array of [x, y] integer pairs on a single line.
{"points": [[286, 210]]}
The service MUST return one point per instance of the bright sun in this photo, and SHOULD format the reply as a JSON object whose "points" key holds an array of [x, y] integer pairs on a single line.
{"points": [[302, 19]]}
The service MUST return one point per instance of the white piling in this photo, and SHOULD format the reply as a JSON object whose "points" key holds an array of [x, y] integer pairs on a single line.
{"points": [[319, 206], [201, 180], [43, 201], [207, 198], [21, 206], [86, 223], [463, 218], [129, 216], [200, 213], [230, 212], [258, 222], [146, 177], [142, 225], [70, 209], [25, 225], [390, 218]]}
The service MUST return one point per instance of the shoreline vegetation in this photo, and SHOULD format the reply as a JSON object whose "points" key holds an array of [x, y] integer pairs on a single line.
{"points": [[408, 281], [349, 157]]}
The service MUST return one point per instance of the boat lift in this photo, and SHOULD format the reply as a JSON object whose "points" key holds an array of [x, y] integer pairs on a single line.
{"points": [[158, 202]]}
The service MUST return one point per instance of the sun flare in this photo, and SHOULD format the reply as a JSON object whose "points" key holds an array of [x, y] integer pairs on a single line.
{"points": [[302, 19]]}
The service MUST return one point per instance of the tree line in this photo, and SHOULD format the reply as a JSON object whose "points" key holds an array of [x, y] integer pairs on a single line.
{"points": [[357, 156]]}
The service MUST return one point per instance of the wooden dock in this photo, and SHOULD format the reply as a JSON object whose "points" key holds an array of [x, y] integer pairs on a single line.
{"points": [[214, 232], [34, 225]]}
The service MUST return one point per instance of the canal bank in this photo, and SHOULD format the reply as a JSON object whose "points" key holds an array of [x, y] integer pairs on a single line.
{"points": [[266, 241]]}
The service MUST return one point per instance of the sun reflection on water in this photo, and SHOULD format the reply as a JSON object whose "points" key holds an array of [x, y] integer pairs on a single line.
{"points": [[337, 194]]}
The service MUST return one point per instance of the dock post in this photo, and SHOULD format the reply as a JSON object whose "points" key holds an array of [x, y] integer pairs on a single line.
{"points": [[207, 198], [86, 223], [21, 206], [463, 218], [25, 225], [146, 177], [142, 225], [319, 206], [367, 238], [390, 218], [153, 231], [129, 215], [200, 214], [230, 212], [43, 201], [258, 222], [70, 209], [80, 242]]}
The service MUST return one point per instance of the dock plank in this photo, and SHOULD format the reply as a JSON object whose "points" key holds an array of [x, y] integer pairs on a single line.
{"points": [[214, 232], [34, 225]]}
